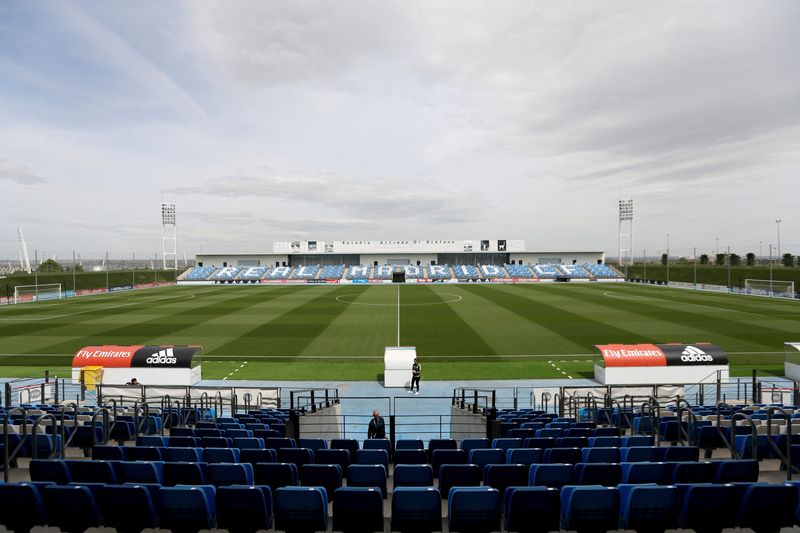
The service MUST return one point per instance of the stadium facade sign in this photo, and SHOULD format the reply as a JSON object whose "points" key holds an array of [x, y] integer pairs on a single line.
{"points": [[399, 246], [640, 364]]}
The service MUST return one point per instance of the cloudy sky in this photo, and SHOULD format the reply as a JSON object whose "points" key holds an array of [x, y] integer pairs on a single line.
{"points": [[410, 119]]}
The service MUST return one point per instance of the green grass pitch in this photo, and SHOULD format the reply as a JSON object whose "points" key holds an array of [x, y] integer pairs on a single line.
{"points": [[338, 332]]}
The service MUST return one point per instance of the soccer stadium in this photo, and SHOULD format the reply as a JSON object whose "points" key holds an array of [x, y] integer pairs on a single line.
{"points": [[257, 373]]}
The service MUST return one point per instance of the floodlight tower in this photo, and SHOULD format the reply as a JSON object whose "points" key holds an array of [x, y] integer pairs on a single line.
{"points": [[626, 231], [169, 234], [24, 252]]}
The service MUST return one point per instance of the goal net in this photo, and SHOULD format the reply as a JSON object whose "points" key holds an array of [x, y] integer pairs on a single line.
{"points": [[765, 287], [37, 293]]}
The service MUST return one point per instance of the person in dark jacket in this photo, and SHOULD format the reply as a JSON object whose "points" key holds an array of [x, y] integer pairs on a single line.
{"points": [[416, 371], [377, 427]]}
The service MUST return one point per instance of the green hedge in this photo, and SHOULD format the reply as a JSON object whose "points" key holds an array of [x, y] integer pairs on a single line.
{"points": [[85, 280], [714, 275]]}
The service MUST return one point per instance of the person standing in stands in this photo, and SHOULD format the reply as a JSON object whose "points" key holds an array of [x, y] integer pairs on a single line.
{"points": [[377, 427], [416, 371]]}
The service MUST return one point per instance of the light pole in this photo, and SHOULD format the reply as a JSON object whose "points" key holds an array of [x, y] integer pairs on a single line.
{"points": [[644, 262], [778, 223], [667, 258], [759, 251], [716, 249]]}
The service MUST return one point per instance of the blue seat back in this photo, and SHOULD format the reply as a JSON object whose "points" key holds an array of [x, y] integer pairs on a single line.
{"points": [[414, 475], [416, 509], [473, 509], [243, 508], [301, 509], [186, 508]]}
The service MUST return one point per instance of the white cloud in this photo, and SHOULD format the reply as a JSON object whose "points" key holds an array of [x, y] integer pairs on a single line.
{"points": [[18, 174]]}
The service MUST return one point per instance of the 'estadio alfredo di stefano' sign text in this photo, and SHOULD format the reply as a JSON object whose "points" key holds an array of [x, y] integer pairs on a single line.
{"points": [[627, 355]]}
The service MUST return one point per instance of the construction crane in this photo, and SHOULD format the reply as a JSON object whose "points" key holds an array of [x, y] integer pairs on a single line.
{"points": [[24, 253]]}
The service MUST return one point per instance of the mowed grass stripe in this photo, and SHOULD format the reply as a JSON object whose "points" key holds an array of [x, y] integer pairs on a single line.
{"points": [[504, 330], [290, 332], [734, 332], [438, 329], [573, 328], [160, 323], [364, 327]]}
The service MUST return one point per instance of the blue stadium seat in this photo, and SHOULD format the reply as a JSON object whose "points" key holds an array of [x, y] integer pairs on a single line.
{"points": [[312, 444], [372, 457], [453, 457], [744, 470], [107, 453], [151, 440], [487, 456], [637, 440], [367, 476], [416, 509], [221, 455], [71, 508], [460, 476], [605, 442], [693, 472], [327, 476], [708, 508], [298, 456], [357, 509], [301, 509], [220, 474], [333, 457], [608, 474], [767, 507], [550, 475], [532, 509], [589, 508], [542, 443], [503, 476], [680, 453], [276, 443], [249, 443], [635, 454], [216, 442], [143, 453], [410, 457], [186, 509], [414, 475], [140, 471], [473, 509], [21, 506], [378, 444], [409, 444], [350, 445], [644, 472], [441, 444], [184, 474], [600, 455], [646, 508], [254, 456], [128, 508], [54, 470], [243, 508], [563, 455], [506, 443], [91, 471], [183, 442], [524, 456], [276, 475], [185, 455], [471, 444]]}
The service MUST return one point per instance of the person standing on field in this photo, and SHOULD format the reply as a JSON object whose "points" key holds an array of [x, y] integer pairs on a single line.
{"points": [[416, 371]]}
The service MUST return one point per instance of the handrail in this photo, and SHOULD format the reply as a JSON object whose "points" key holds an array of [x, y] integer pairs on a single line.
{"points": [[560, 409], [106, 425], [113, 403], [730, 444], [786, 459], [689, 433], [234, 404], [145, 419], [545, 399], [260, 398], [65, 441], [221, 405], [653, 409], [35, 444], [626, 413], [10, 456]]}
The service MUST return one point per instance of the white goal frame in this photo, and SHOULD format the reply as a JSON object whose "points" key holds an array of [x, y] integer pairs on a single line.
{"points": [[36, 293], [766, 287]]}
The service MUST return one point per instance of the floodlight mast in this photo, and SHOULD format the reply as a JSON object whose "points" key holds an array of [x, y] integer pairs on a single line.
{"points": [[626, 231], [24, 254], [169, 234]]}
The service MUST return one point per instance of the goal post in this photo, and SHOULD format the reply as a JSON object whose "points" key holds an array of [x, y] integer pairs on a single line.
{"points": [[766, 287], [37, 293]]}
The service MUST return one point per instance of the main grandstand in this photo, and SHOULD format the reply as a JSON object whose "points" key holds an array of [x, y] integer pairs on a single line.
{"points": [[399, 261]]}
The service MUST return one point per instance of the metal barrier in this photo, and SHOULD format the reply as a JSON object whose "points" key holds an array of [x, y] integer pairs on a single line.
{"points": [[10, 456], [35, 441], [731, 444], [785, 458]]}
